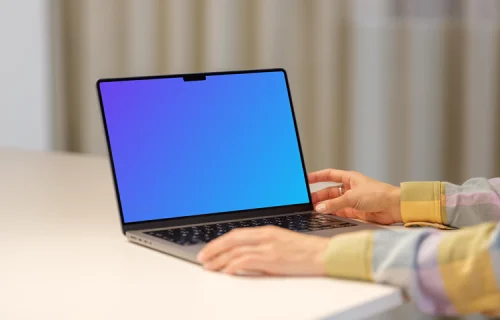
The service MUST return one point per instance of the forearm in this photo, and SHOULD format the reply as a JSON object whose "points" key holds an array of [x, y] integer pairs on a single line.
{"points": [[443, 204], [474, 202], [443, 272]]}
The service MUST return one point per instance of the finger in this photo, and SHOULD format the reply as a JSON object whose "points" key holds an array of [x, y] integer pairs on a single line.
{"points": [[328, 175], [325, 194], [236, 237], [221, 261], [368, 216], [348, 213], [333, 205], [339, 214], [246, 263], [249, 273]]}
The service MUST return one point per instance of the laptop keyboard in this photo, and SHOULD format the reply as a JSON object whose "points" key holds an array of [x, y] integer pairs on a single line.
{"points": [[205, 233]]}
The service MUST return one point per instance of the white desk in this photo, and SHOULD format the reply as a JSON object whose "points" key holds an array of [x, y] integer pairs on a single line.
{"points": [[62, 256]]}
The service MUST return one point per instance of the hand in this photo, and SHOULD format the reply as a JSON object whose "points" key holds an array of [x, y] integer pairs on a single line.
{"points": [[363, 198], [268, 250]]}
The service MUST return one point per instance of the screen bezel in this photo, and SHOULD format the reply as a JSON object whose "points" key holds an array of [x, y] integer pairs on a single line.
{"points": [[211, 217]]}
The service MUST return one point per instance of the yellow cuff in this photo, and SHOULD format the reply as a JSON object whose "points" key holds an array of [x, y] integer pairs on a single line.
{"points": [[423, 203], [429, 224], [350, 256]]}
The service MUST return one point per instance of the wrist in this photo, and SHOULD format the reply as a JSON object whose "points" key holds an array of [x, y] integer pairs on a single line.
{"points": [[395, 204], [319, 259]]}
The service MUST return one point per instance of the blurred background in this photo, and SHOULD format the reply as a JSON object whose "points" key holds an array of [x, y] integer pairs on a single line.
{"points": [[396, 89]]}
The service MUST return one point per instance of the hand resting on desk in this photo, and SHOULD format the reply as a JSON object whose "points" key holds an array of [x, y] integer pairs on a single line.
{"points": [[454, 272], [276, 251]]}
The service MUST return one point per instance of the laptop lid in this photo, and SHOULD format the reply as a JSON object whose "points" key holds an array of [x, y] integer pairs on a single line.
{"points": [[199, 148]]}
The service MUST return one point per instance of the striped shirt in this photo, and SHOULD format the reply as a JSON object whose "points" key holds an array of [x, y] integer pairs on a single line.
{"points": [[443, 272]]}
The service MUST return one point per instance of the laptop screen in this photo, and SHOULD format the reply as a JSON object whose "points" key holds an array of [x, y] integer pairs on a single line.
{"points": [[215, 144]]}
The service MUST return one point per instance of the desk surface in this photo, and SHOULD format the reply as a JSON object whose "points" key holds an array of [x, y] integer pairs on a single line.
{"points": [[63, 257]]}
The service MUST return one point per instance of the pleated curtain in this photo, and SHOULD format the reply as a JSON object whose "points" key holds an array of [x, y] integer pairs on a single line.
{"points": [[397, 89]]}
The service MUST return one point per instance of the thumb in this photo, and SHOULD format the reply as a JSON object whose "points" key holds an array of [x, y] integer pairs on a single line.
{"points": [[333, 205]]}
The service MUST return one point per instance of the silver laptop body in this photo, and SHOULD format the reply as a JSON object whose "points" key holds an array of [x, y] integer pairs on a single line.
{"points": [[184, 235]]}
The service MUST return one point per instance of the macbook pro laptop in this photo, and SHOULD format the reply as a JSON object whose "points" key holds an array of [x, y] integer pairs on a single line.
{"points": [[196, 155]]}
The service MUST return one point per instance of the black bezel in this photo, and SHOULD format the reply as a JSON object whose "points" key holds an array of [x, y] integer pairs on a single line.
{"points": [[212, 217]]}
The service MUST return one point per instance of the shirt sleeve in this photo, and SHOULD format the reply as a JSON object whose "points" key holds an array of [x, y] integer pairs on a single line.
{"points": [[446, 273], [447, 206]]}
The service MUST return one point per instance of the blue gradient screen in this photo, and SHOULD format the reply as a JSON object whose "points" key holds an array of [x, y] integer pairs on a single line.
{"points": [[185, 148]]}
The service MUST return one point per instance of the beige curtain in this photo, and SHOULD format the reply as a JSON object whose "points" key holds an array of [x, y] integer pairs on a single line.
{"points": [[397, 89]]}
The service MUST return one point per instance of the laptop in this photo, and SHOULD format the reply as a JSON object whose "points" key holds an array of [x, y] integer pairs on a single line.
{"points": [[196, 155]]}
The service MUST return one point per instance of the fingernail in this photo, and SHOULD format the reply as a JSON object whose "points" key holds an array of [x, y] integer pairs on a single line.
{"points": [[200, 257], [207, 266], [321, 207], [249, 273]]}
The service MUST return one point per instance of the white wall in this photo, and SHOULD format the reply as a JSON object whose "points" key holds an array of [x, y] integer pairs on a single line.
{"points": [[25, 81]]}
